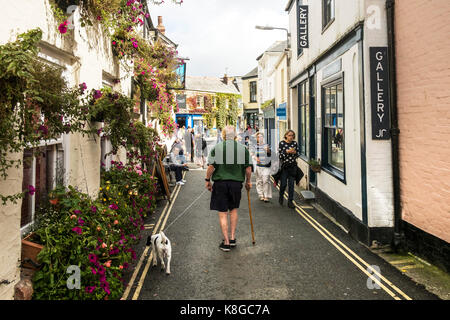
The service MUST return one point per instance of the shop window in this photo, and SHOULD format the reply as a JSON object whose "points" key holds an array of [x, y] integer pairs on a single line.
{"points": [[43, 168], [303, 114], [333, 128]]}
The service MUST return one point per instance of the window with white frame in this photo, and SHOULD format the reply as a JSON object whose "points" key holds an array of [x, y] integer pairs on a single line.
{"points": [[43, 168]]}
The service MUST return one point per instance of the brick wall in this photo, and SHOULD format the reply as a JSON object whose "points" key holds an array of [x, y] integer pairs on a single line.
{"points": [[423, 84]]}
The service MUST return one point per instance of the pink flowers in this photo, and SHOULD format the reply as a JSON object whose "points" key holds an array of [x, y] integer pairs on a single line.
{"points": [[113, 206], [31, 190], [63, 27], [83, 86], [43, 129], [77, 230], [135, 44], [97, 94]]}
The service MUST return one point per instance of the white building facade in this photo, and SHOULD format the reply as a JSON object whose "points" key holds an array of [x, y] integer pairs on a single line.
{"points": [[268, 62], [331, 78], [85, 55]]}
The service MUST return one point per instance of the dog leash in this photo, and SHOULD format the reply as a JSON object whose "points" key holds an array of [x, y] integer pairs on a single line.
{"points": [[165, 229]]}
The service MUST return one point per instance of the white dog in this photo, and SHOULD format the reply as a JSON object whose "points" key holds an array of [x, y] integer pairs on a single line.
{"points": [[161, 246]]}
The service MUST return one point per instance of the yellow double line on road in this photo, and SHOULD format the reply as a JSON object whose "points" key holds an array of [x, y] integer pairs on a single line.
{"points": [[164, 215], [375, 276]]}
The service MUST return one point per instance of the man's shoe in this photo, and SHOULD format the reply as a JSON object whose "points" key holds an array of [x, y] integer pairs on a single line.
{"points": [[180, 183], [291, 205], [224, 247], [280, 201], [232, 243]]}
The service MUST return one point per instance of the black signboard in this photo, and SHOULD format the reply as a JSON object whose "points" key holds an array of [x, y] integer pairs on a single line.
{"points": [[379, 81], [302, 28]]}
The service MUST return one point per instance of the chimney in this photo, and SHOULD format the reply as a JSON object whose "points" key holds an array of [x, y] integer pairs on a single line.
{"points": [[160, 26], [225, 79]]}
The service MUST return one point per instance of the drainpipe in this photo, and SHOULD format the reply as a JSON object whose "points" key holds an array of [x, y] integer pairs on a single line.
{"points": [[399, 236]]}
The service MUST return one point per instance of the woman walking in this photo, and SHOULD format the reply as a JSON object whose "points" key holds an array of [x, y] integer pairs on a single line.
{"points": [[262, 172], [288, 153]]}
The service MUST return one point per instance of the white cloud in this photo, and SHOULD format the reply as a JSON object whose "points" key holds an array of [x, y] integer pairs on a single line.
{"points": [[220, 34]]}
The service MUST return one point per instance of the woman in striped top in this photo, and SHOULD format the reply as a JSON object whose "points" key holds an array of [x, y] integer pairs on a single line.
{"points": [[262, 154], [288, 153]]}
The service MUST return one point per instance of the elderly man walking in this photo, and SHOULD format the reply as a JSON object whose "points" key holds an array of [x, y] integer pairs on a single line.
{"points": [[229, 165]]}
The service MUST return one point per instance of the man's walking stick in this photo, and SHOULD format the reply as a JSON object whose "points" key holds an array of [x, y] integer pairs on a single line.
{"points": [[250, 212]]}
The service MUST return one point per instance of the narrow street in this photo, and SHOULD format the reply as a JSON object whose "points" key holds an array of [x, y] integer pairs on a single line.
{"points": [[291, 259]]}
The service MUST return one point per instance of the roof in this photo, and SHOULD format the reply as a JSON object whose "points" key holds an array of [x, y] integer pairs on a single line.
{"points": [[210, 84], [251, 74], [277, 46]]}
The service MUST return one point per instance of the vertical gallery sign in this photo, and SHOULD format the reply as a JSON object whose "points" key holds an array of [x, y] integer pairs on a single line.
{"points": [[302, 28], [379, 81]]}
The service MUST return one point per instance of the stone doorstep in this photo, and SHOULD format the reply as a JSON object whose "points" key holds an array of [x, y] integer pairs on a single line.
{"points": [[23, 290]]}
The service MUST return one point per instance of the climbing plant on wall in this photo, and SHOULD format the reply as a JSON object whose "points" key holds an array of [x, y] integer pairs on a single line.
{"points": [[36, 102]]}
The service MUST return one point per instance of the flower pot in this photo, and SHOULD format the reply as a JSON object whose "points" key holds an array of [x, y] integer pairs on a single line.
{"points": [[30, 250], [316, 168]]}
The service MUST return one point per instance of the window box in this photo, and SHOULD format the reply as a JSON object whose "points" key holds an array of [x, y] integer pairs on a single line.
{"points": [[30, 251], [315, 165]]}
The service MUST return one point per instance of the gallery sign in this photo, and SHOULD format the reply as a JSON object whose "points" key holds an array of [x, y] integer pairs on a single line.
{"points": [[380, 95], [302, 29]]}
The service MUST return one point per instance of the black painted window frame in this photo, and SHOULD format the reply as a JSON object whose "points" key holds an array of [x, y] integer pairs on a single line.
{"points": [[253, 91], [303, 113], [338, 173]]}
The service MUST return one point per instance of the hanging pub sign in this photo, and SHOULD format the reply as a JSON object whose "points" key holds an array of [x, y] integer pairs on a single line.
{"points": [[302, 28], [180, 72], [379, 81]]}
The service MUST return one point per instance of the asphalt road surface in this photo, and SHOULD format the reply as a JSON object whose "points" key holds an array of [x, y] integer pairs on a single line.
{"points": [[298, 255]]}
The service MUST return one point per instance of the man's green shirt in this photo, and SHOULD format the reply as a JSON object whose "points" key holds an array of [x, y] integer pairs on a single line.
{"points": [[230, 159]]}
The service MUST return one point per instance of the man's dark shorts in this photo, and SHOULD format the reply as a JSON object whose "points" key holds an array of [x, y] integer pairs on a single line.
{"points": [[226, 195]]}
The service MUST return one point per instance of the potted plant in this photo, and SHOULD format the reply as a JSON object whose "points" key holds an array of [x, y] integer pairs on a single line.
{"points": [[315, 165], [30, 250]]}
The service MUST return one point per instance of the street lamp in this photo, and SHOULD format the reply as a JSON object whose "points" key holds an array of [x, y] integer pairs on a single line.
{"points": [[276, 28], [288, 49]]}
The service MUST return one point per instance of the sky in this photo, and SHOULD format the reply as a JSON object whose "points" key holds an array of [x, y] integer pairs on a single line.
{"points": [[219, 36]]}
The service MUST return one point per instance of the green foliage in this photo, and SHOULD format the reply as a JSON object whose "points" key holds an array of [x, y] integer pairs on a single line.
{"points": [[226, 115], [268, 103], [116, 111], [35, 101], [95, 235]]}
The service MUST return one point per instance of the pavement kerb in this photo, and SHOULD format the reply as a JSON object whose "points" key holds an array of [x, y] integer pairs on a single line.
{"points": [[420, 271]]}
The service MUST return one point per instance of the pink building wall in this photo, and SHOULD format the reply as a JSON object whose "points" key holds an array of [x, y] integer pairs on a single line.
{"points": [[422, 35]]}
